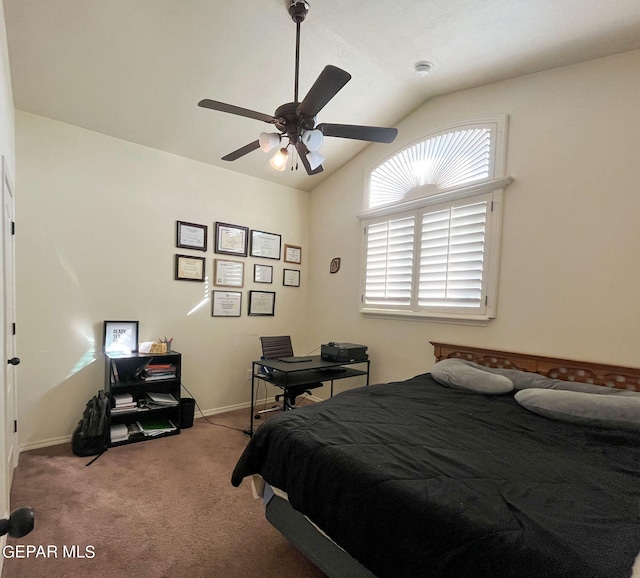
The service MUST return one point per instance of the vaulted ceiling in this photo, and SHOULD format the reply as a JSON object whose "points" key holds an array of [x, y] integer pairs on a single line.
{"points": [[136, 69]]}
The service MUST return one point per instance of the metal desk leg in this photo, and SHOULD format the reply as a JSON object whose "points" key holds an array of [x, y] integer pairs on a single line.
{"points": [[249, 431]]}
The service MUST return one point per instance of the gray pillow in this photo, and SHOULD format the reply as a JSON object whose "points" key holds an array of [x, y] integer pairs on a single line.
{"points": [[609, 411], [454, 373]]}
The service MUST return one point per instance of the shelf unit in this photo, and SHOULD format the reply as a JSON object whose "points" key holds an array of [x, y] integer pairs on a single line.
{"points": [[131, 374]]}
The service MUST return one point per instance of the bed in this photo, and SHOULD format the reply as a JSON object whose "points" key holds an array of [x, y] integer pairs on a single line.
{"points": [[417, 478]]}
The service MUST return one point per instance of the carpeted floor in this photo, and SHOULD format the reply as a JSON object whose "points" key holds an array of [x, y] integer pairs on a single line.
{"points": [[160, 508]]}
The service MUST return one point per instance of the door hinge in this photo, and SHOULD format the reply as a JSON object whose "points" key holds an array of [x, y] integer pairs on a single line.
{"points": [[15, 426], [13, 328], [13, 227]]}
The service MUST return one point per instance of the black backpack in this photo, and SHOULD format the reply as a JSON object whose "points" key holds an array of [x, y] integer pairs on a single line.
{"points": [[91, 436]]}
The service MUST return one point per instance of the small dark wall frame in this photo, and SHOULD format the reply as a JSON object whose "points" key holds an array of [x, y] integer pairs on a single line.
{"points": [[120, 337], [231, 239], [262, 303], [291, 277], [191, 236], [189, 268]]}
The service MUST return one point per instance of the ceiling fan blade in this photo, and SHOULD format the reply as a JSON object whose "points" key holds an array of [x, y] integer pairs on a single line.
{"points": [[246, 149], [370, 133], [232, 109], [326, 86], [302, 152]]}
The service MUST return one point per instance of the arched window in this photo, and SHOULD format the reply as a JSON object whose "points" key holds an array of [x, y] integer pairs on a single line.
{"points": [[432, 224]]}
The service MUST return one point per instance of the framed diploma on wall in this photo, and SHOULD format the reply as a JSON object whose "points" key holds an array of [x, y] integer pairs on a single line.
{"points": [[188, 268], [262, 302], [292, 254], [228, 273], [191, 236], [291, 278], [231, 239], [265, 245], [226, 303]]}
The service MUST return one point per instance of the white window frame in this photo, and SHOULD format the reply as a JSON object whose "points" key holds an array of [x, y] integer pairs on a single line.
{"points": [[427, 198]]}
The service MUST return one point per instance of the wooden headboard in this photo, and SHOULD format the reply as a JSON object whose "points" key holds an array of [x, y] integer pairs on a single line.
{"points": [[565, 369]]}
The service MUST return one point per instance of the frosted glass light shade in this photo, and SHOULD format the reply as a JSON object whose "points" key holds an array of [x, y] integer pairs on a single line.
{"points": [[312, 139], [268, 141], [315, 159], [279, 161]]}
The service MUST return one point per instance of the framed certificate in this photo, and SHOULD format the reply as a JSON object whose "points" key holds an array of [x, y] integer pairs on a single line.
{"points": [[291, 278], [262, 273], [228, 273], [292, 254], [231, 239], [191, 236], [226, 303], [189, 268], [266, 245], [262, 302], [120, 337]]}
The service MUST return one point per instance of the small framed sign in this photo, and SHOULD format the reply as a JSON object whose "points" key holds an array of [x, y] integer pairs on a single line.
{"points": [[120, 337], [291, 278], [292, 254], [191, 236], [188, 268]]}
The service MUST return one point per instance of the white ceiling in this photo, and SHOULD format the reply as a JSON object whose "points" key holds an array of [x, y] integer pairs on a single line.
{"points": [[136, 69]]}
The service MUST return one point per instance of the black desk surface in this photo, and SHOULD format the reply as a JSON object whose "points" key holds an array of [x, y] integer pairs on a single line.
{"points": [[316, 363]]}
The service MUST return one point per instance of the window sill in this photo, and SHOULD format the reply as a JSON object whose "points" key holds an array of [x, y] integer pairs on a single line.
{"points": [[447, 318]]}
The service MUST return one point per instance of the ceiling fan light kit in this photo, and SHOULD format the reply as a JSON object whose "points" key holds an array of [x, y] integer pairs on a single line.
{"points": [[297, 120]]}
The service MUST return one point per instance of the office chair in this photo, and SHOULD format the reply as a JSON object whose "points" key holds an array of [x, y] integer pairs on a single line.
{"points": [[275, 348]]}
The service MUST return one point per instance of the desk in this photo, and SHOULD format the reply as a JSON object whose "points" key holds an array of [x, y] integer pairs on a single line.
{"points": [[289, 374]]}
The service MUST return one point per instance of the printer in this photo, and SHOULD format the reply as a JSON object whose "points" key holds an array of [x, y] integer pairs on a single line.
{"points": [[343, 352]]}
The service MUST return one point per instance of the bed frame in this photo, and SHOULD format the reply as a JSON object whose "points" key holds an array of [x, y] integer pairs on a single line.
{"points": [[334, 561], [556, 368]]}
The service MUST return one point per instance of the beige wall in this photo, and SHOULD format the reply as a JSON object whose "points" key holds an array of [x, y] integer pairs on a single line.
{"points": [[96, 240], [570, 268]]}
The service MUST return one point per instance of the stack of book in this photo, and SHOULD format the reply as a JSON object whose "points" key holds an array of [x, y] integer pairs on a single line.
{"points": [[156, 371], [157, 400], [119, 433], [155, 427], [123, 402]]}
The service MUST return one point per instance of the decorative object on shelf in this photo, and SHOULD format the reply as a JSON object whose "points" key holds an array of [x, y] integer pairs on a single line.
{"points": [[231, 239], [266, 245], [292, 254], [262, 273], [189, 268], [226, 303], [291, 278], [262, 302], [334, 267], [191, 236], [228, 273], [120, 337]]}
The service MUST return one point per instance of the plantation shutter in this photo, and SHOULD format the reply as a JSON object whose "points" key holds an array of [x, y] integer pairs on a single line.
{"points": [[452, 257], [389, 262]]}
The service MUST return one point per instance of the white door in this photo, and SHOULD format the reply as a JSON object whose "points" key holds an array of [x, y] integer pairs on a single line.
{"points": [[10, 360]]}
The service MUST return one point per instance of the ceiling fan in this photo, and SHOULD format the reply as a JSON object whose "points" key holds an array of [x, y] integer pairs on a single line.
{"points": [[296, 121]]}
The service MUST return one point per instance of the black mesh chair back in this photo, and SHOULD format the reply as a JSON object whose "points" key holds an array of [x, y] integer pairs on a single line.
{"points": [[276, 347]]}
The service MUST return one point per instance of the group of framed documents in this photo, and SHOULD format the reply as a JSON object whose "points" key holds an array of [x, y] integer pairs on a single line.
{"points": [[236, 241]]}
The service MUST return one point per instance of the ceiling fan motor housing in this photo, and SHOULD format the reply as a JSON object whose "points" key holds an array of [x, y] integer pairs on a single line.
{"points": [[298, 10], [290, 121]]}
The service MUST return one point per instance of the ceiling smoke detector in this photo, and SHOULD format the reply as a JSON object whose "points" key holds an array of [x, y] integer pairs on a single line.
{"points": [[423, 68]]}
